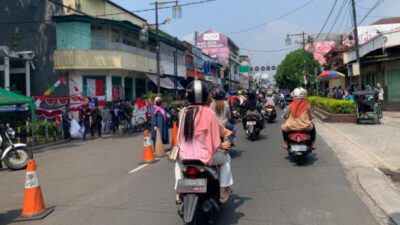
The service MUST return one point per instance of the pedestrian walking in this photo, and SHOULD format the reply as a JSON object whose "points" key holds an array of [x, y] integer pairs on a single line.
{"points": [[66, 121], [87, 122], [115, 118], [127, 116], [381, 92], [96, 120], [106, 118], [159, 121]]}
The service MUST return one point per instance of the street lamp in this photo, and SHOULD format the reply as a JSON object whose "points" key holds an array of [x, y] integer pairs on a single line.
{"points": [[157, 6], [288, 40], [144, 34], [177, 11]]}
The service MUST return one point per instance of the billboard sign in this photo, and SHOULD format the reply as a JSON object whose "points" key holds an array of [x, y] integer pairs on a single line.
{"points": [[215, 45]]}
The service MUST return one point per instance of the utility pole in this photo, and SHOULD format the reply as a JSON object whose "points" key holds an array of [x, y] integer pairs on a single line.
{"points": [[157, 49], [305, 61], [195, 55], [175, 69], [353, 5]]}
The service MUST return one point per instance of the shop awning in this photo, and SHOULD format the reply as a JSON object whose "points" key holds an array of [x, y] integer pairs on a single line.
{"points": [[178, 85], [165, 82]]}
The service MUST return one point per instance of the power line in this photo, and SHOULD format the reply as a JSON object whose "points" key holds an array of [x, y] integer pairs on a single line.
{"points": [[377, 4], [327, 19], [336, 18], [280, 17], [151, 9], [269, 51]]}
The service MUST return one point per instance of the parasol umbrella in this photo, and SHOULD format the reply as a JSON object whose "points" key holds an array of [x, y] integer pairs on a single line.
{"points": [[329, 75]]}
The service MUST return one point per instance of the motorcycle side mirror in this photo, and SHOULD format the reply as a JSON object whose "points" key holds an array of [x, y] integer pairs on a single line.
{"points": [[8, 125]]}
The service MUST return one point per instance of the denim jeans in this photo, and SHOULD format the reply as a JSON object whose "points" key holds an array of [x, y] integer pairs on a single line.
{"points": [[232, 128], [126, 124]]}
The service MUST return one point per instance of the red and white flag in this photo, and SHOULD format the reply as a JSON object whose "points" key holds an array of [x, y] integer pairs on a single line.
{"points": [[95, 87]]}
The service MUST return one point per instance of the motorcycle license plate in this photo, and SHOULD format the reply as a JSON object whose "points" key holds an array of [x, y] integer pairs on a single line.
{"points": [[251, 123], [298, 148], [269, 110], [192, 186]]}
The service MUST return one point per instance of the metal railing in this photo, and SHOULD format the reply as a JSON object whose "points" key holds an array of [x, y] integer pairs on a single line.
{"points": [[102, 43]]}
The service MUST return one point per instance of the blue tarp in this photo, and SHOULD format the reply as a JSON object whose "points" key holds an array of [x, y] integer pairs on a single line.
{"points": [[178, 85]]}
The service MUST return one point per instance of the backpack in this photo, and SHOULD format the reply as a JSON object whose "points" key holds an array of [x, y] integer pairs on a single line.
{"points": [[339, 94]]}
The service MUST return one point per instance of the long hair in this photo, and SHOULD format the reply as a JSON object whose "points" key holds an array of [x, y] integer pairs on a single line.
{"points": [[190, 118], [219, 107]]}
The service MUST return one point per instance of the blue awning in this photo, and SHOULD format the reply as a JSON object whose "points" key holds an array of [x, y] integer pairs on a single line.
{"points": [[178, 85]]}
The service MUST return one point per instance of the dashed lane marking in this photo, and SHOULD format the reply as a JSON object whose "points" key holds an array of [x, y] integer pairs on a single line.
{"points": [[138, 168]]}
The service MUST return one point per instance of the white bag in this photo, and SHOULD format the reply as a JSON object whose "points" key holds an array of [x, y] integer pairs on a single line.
{"points": [[75, 130]]}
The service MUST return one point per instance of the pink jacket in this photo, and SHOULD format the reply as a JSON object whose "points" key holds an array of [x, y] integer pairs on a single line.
{"points": [[206, 140]]}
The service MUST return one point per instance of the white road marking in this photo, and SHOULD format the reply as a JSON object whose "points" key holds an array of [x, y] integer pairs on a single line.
{"points": [[138, 168]]}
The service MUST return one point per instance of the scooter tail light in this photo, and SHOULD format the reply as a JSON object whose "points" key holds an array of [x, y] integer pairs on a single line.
{"points": [[192, 172], [269, 106], [251, 118]]}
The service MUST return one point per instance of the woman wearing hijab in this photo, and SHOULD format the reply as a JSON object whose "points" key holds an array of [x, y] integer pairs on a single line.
{"points": [[200, 139], [159, 121], [298, 117]]}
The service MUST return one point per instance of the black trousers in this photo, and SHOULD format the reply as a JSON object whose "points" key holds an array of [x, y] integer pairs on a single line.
{"points": [[312, 133], [66, 132]]}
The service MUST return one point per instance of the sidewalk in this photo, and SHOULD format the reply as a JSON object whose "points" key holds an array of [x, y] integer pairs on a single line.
{"points": [[391, 118], [379, 141], [366, 150]]}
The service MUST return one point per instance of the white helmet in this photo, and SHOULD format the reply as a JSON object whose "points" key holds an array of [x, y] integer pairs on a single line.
{"points": [[299, 93]]}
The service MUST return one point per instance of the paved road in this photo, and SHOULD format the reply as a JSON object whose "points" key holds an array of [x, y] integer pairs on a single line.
{"points": [[89, 183]]}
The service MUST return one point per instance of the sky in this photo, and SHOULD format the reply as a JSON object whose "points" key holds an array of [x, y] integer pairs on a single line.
{"points": [[228, 16]]}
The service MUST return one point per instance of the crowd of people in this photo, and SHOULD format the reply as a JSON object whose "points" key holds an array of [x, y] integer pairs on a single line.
{"points": [[94, 119], [340, 93]]}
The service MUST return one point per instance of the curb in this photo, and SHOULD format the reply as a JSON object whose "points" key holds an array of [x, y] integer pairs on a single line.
{"points": [[381, 191]]}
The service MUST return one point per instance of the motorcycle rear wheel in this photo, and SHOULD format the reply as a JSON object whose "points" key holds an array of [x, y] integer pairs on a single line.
{"points": [[13, 163]]}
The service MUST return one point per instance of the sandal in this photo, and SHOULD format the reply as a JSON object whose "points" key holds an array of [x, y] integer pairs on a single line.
{"points": [[178, 202]]}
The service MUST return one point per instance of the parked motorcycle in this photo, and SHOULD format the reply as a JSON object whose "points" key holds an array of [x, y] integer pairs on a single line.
{"points": [[270, 113], [299, 146], [252, 127], [200, 192], [15, 156]]}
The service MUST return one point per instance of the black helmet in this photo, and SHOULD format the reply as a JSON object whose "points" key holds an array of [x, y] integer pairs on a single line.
{"points": [[218, 94], [251, 94], [197, 92]]}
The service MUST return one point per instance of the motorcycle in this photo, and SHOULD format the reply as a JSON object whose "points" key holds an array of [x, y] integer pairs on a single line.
{"points": [[299, 146], [270, 113], [282, 104], [252, 128], [15, 156], [200, 192]]}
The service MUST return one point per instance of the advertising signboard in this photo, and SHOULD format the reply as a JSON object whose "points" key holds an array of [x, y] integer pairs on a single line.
{"points": [[215, 45]]}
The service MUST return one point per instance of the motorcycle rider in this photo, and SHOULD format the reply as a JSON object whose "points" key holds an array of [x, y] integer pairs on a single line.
{"points": [[298, 117], [223, 111], [282, 98], [270, 99], [200, 139], [252, 107]]}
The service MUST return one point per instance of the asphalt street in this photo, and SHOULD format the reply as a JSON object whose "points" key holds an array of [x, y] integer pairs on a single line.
{"points": [[89, 183]]}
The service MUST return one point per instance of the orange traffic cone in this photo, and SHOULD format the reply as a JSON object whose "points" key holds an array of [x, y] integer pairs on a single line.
{"points": [[34, 208], [148, 156], [174, 135], [160, 152]]}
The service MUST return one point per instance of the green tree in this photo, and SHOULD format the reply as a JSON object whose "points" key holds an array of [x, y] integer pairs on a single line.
{"points": [[290, 72]]}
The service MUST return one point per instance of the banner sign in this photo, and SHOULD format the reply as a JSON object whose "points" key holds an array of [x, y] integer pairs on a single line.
{"points": [[215, 45]]}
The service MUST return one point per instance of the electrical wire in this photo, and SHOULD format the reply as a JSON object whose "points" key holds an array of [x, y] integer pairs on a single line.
{"points": [[377, 4], [327, 19], [151, 9], [280, 17], [336, 18]]}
